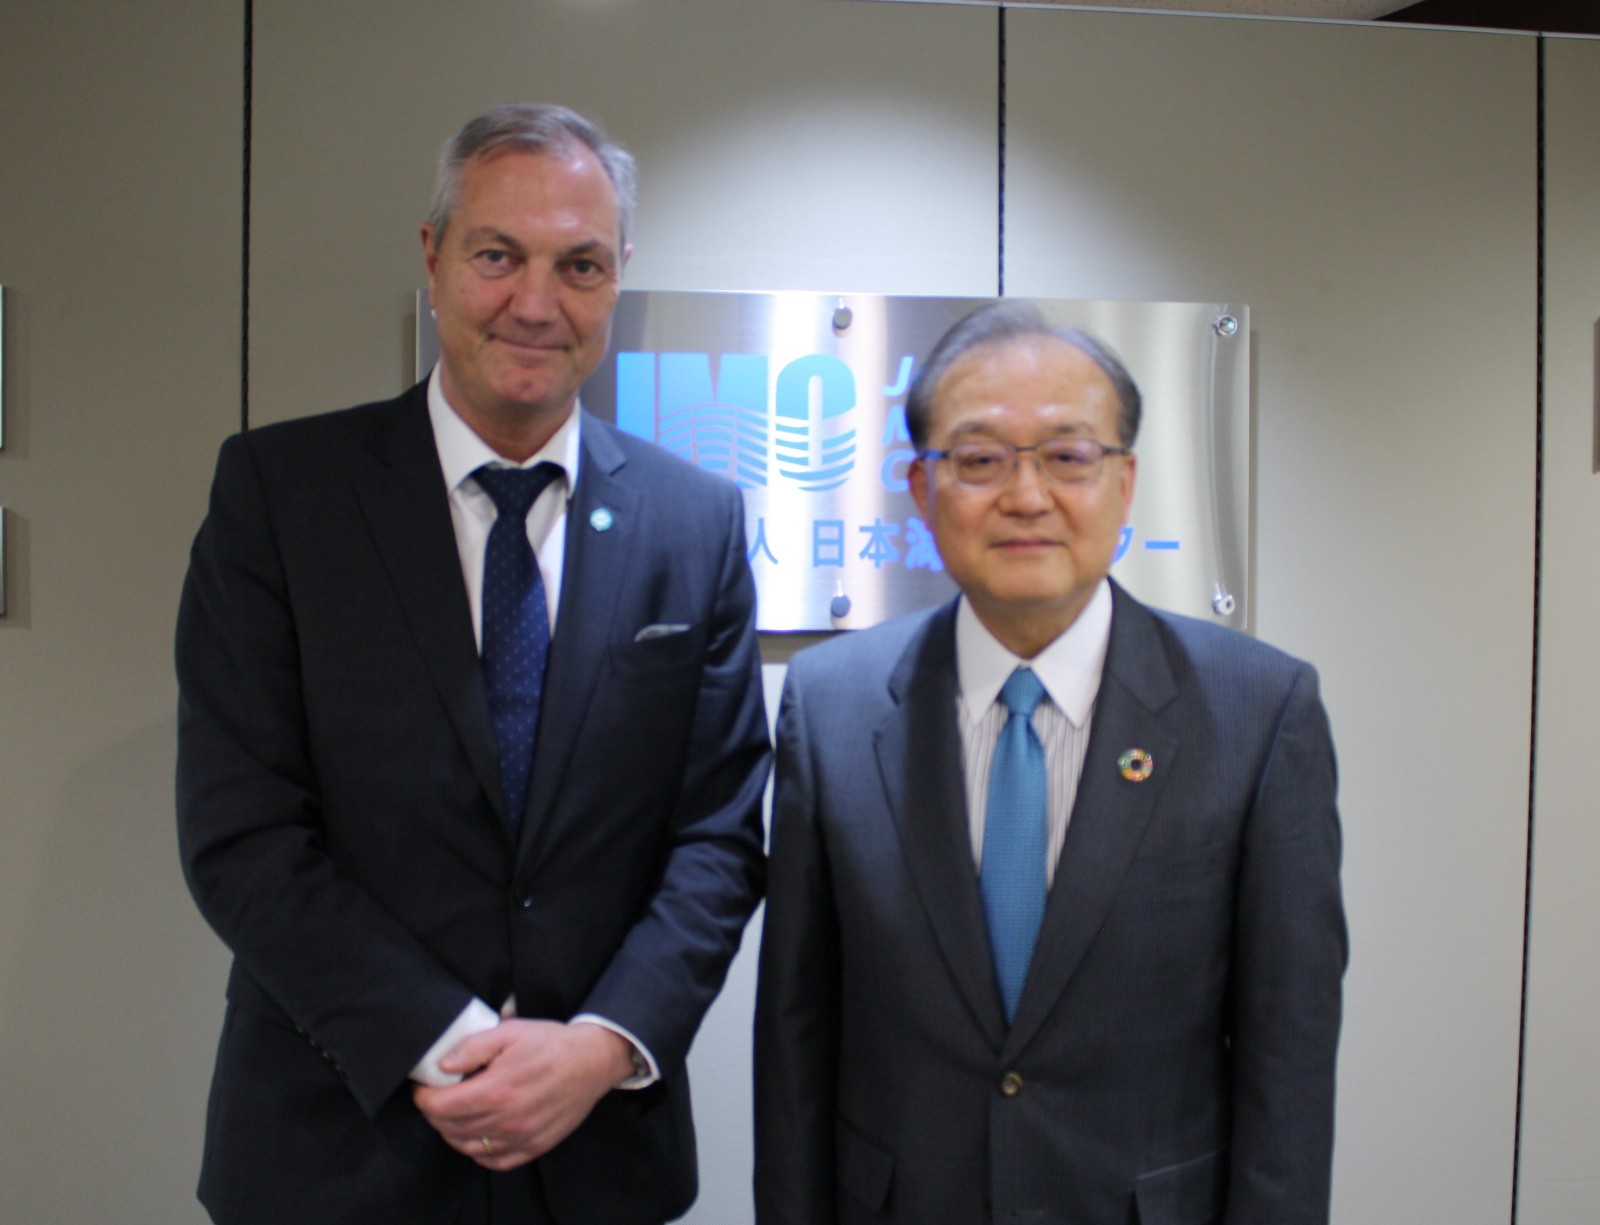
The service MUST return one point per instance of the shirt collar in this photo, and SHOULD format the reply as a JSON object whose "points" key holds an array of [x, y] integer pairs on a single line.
{"points": [[1069, 668], [462, 452]]}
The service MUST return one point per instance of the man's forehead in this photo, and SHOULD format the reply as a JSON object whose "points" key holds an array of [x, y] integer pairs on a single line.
{"points": [[1038, 354], [1046, 374], [575, 163], [509, 185]]}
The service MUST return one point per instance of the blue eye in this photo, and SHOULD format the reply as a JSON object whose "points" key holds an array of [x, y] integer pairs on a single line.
{"points": [[586, 271], [493, 261]]}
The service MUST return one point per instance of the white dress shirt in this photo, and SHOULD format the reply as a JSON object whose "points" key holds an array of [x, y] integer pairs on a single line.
{"points": [[472, 513], [1069, 669]]}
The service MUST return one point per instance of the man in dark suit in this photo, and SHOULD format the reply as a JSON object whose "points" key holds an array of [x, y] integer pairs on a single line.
{"points": [[1053, 927], [471, 750]]}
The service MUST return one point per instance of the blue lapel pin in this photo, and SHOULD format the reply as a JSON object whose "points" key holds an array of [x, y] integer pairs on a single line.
{"points": [[601, 519]]}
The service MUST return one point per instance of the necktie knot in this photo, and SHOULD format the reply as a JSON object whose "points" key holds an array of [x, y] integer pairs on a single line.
{"points": [[1022, 692], [514, 490]]}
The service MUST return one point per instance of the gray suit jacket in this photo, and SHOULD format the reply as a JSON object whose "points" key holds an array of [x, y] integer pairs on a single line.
{"points": [[1172, 1057]]}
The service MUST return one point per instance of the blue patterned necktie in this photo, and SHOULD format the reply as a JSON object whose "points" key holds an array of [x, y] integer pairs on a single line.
{"points": [[516, 624], [1015, 839]]}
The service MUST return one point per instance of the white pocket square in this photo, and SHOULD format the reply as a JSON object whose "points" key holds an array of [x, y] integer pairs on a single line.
{"points": [[661, 629]]}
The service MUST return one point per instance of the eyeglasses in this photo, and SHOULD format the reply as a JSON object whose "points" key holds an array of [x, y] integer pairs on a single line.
{"points": [[1062, 461]]}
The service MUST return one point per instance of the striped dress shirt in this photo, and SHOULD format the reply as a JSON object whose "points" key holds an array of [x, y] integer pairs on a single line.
{"points": [[1069, 668]]}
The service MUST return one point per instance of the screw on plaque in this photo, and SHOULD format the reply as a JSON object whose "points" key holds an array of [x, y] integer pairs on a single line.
{"points": [[1222, 602], [843, 317], [1225, 325], [839, 606]]}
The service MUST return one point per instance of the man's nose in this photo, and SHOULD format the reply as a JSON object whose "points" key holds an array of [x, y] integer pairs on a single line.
{"points": [[534, 297], [1024, 491]]}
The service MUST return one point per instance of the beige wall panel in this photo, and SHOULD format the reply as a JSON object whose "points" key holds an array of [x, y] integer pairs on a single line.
{"points": [[119, 250], [1559, 1179], [1370, 192], [805, 144]]}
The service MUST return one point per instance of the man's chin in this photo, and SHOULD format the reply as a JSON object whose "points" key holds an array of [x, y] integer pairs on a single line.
{"points": [[1040, 599], [537, 398]]}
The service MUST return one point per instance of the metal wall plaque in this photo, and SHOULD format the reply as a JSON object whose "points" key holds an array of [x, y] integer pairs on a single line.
{"points": [[799, 398]]}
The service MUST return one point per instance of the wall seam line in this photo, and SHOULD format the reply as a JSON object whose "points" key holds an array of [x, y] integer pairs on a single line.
{"points": [[1538, 563], [244, 218], [1000, 198]]}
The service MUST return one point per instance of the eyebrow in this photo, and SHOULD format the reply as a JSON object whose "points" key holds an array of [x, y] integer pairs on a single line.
{"points": [[588, 247], [486, 233], [593, 246], [1069, 429]]}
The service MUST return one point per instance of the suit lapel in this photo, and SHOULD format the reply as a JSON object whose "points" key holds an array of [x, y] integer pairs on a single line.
{"points": [[920, 760], [1109, 814], [593, 569], [400, 487]]}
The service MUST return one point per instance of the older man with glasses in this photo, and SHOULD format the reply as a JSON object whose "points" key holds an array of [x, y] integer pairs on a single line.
{"points": [[1054, 929]]}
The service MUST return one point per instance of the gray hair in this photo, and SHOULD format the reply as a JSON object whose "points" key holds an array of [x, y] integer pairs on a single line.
{"points": [[534, 127], [1002, 322]]}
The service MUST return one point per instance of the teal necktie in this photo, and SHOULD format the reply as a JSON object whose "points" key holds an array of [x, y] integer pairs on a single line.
{"points": [[1015, 838]]}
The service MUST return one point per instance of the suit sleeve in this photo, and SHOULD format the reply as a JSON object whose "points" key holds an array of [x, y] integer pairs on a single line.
{"points": [[797, 1001], [1289, 960], [675, 956], [250, 822]]}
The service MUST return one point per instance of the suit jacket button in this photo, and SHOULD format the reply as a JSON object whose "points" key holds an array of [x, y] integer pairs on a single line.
{"points": [[526, 901], [1011, 1084]]}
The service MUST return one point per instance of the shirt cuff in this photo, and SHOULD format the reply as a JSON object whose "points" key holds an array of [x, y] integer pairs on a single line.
{"points": [[475, 1018], [641, 1079]]}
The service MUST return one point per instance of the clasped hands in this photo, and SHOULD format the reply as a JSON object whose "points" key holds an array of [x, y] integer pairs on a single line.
{"points": [[527, 1086]]}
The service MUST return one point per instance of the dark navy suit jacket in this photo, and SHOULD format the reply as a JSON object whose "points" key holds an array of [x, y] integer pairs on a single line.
{"points": [[343, 828], [1172, 1057]]}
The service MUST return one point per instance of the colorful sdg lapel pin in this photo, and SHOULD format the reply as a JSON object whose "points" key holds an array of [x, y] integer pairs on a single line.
{"points": [[1136, 765]]}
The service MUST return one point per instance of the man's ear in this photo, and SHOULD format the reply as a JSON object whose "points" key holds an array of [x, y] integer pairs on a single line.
{"points": [[430, 256], [917, 475]]}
